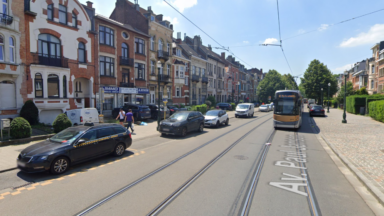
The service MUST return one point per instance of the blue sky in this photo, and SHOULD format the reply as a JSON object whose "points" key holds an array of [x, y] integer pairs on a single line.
{"points": [[242, 25]]}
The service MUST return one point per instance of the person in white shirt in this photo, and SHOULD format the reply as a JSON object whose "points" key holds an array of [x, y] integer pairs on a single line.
{"points": [[121, 117]]}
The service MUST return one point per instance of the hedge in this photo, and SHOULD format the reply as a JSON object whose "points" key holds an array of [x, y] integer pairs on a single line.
{"points": [[20, 128], [376, 110], [201, 108], [354, 102], [61, 122], [374, 97], [233, 106]]}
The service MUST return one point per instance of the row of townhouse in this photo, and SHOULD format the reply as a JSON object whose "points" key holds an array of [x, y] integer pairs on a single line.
{"points": [[60, 54], [368, 73]]}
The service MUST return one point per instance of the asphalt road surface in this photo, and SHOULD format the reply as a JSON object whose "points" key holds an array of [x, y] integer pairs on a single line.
{"points": [[246, 168]]}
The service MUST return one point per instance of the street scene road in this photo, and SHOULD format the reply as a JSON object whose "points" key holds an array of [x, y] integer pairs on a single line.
{"points": [[247, 167]]}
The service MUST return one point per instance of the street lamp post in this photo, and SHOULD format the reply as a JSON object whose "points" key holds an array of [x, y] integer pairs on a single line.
{"points": [[329, 85], [238, 92], [321, 97], [160, 65], [345, 99]]}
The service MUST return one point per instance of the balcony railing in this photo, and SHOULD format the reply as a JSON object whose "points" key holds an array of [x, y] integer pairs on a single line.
{"points": [[164, 78], [45, 59], [204, 79], [162, 55], [128, 85], [126, 61], [5, 19], [195, 78]]}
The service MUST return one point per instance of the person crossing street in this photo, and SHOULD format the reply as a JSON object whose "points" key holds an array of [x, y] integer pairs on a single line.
{"points": [[121, 117], [130, 120]]}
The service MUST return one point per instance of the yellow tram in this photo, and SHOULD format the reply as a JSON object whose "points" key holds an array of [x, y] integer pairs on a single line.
{"points": [[288, 108]]}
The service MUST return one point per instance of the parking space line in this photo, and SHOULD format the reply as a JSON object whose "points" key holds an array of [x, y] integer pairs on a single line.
{"points": [[6, 193], [31, 188], [15, 193], [20, 189], [59, 179], [46, 183]]}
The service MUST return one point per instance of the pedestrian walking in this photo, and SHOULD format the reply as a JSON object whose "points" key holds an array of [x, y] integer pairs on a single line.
{"points": [[129, 119], [121, 117]]}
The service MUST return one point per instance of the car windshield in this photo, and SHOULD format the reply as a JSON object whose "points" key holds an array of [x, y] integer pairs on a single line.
{"points": [[242, 106], [213, 113], [67, 135], [179, 116]]}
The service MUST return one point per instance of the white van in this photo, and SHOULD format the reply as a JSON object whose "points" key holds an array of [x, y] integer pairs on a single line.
{"points": [[245, 110], [80, 116]]}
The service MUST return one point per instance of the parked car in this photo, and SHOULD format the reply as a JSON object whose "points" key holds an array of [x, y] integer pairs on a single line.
{"points": [[140, 112], [154, 111], [264, 108], [172, 109], [256, 104], [216, 118], [74, 145], [182, 122], [80, 116], [224, 106], [245, 109], [311, 105], [271, 106], [317, 110]]}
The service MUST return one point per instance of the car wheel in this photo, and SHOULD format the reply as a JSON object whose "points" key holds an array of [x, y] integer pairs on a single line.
{"points": [[235, 116], [119, 149], [59, 165], [252, 114], [218, 124], [184, 132], [163, 134], [227, 122], [201, 128]]}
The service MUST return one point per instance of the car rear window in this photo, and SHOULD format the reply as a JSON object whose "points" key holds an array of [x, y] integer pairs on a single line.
{"points": [[120, 129]]}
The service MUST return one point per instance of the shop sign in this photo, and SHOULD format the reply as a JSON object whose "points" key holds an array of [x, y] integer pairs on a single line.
{"points": [[128, 90], [143, 91], [108, 89]]}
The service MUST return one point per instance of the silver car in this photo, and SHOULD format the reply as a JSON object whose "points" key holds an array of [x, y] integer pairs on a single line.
{"points": [[264, 108]]}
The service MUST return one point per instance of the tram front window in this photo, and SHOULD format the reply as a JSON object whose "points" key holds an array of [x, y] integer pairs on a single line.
{"points": [[285, 107]]}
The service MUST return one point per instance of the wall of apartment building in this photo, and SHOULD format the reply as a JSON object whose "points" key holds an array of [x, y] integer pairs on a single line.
{"points": [[195, 88], [52, 103], [220, 90]]}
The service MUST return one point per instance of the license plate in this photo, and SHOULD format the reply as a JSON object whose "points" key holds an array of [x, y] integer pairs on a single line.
{"points": [[165, 129], [22, 164]]}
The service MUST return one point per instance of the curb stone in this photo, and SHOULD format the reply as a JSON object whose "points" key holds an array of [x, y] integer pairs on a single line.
{"points": [[18, 141]]}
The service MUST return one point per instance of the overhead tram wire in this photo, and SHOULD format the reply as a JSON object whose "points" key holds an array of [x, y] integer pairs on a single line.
{"points": [[222, 47]]}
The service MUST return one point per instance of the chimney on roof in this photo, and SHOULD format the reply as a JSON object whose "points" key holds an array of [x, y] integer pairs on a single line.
{"points": [[89, 4], [209, 47], [150, 9], [137, 6], [196, 41], [223, 55], [178, 35], [159, 17], [171, 26], [185, 35]]}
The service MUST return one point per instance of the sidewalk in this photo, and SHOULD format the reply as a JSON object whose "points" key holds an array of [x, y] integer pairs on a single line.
{"points": [[8, 154], [359, 143]]}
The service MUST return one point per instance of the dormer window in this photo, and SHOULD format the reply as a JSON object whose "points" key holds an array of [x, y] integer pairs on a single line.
{"points": [[152, 18], [178, 52]]}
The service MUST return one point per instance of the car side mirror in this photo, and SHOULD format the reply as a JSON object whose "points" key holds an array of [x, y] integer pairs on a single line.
{"points": [[81, 141]]}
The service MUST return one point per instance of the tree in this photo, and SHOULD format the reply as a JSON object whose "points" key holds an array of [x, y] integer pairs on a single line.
{"points": [[290, 83], [362, 91], [212, 100], [318, 76], [271, 83], [302, 90], [350, 91]]}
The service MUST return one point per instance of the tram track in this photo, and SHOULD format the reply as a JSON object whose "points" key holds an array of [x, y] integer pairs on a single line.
{"points": [[136, 182]]}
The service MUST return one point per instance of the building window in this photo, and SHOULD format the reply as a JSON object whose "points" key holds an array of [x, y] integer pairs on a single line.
{"points": [[203, 72], [177, 71], [124, 50], [125, 76], [168, 48], [38, 85], [63, 14], [177, 92], [107, 66], [193, 70], [78, 87], [82, 52], [186, 81], [50, 12], [199, 72], [178, 52], [64, 86], [53, 86], [181, 71], [139, 46], [1, 48], [125, 35], [160, 45], [169, 92], [153, 42], [373, 69], [5, 5], [106, 36], [139, 71], [152, 67], [74, 20], [49, 49], [168, 69], [152, 18]]}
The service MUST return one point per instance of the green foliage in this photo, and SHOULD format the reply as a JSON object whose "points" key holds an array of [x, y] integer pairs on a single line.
{"points": [[302, 90], [61, 122], [376, 110], [318, 76], [30, 112], [201, 108], [349, 92], [233, 106], [354, 102], [271, 83], [20, 128], [362, 91], [289, 81], [241, 101], [209, 103], [212, 100]]}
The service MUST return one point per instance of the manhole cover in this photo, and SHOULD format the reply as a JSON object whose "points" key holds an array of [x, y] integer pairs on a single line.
{"points": [[241, 157]]}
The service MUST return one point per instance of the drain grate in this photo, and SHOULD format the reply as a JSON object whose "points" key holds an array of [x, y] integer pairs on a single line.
{"points": [[241, 157]]}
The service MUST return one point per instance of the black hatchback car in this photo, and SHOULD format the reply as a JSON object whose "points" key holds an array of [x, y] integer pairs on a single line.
{"points": [[74, 145], [224, 106], [316, 110], [182, 122], [140, 112]]}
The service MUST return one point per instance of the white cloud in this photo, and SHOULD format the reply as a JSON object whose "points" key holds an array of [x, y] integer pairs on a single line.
{"points": [[173, 21], [270, 41], [343, 68], [323, 27], [181, 5], [374, 35], [246, 42], [301, 31]]}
